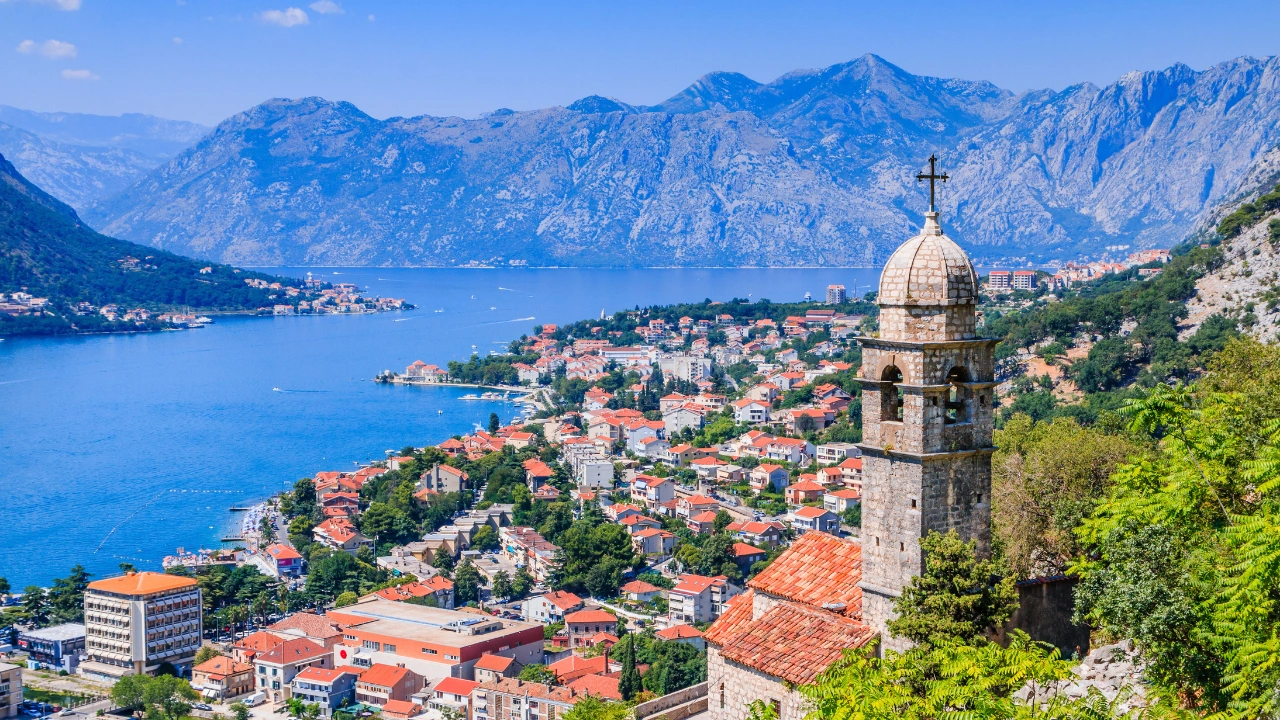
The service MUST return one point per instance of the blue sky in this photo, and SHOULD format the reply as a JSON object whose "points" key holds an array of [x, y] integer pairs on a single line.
{"points": [[204, 60]]}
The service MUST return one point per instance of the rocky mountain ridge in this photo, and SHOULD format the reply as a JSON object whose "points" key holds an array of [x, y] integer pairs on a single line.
{"points": [[814, 168]]}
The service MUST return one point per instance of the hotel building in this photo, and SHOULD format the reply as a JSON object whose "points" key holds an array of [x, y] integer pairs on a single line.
{"points": [[137, 622]]}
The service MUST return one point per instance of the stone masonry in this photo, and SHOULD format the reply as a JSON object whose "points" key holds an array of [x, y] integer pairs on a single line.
{"points": [[928, 383]]}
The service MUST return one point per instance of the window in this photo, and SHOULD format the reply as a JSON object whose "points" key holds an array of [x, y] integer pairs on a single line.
{"points": [[777, 707], [721, 696], [389, 648], [371, 645], [913, 502], [429, 651]]}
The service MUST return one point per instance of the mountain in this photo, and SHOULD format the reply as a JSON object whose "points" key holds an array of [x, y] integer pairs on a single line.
{"points": [[815, 167], [46, 251], [81, 158]]}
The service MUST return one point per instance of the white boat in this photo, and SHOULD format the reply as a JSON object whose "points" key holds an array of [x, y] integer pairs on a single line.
{"points": [[470, 396], [439, 412], [440, 310]]}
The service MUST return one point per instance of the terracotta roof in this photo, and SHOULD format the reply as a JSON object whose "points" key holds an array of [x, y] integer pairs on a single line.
{"points": [[817, 569], [586, 616], [222, 666], [291, 650], [639, 586], [790, 641], [402, 707], [811, 512], [806, 486], [319, 674], [142, 583], [258, 642], [283, 552], [495, 663], [604, 637], [563, 599], [679, 632], [519, 688], [383, 675], [572, 667], [745, 550], [705, 516], [849, 494], [457, 686], [597, 685], [311, 625]]}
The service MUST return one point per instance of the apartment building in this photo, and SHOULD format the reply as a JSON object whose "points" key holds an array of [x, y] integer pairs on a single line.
{"points": [[529, 550], [276, 668], [327, 687], [381, 684], [697, 598], [137, 622], [515, 699], [222, 677], [10, 690]]}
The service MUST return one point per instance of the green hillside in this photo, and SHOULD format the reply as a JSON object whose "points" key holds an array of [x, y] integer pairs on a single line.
{"points": [[47, 252]]}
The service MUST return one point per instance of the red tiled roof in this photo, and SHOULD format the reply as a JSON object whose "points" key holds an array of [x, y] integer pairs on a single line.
{"points": [[639, 586], [258, 641], [589, 616], [311, 625], [806, 486], [790, 641], [319, 674], [292, 650], [458, 686], [222, 666], [704, 517], [846, 494], [598, 685], [563, 599], [283, 552], [574, 666], [679, 632], [811, 512], [401, 707], [817, 569], [142, 583], [745, 550], [495, 663], [383, 675]]}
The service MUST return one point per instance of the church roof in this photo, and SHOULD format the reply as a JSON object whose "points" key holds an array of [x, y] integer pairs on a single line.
{"points": [[929, 269], [819, 570]]}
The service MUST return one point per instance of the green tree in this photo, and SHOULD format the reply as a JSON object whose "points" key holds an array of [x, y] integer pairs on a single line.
{"points": [[168, 698], [127, 567], [466, 583], [957, 597], [267, 530], [629, 684], [239, 711], [128, 692], [346, 598], [521, 583], [592, 708], [501, 585], [442, 560], [722, 521], [494, 423], [205, 654], [486, 540], [535, 672]]}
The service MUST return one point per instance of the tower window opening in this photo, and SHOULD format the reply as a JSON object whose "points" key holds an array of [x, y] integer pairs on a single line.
{"points": [[902, 547], [957, 406], [891, 397], [913, 502]]}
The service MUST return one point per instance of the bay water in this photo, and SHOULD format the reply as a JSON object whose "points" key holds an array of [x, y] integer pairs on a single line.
{"points": [[121, 448]]}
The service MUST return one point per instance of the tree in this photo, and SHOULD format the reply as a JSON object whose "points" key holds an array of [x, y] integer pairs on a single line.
{"points": [[958, 597], [267, 530], [206, 653], [128, 692], [502, 585], [537, 673], [239, 711], [494, 423], [442, 560], [521, 583], [35, 605], [722, 521], [1046, 477], [953, 680], [629, 684], [466, 583], [592, 708], [168, 698], [345, 599], [127, 567], [486, 540]]}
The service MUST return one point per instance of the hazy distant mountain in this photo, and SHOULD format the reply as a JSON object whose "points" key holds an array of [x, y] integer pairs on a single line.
{"points": [[81, 158], [815, 167]]}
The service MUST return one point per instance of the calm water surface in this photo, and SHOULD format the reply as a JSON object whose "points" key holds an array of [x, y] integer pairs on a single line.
{"points": [[122, 448]]}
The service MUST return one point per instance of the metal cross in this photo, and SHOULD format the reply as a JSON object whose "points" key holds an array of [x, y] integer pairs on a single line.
{"points": [[932, 177]]}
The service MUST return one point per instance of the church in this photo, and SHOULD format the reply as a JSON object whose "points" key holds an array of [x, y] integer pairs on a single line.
{"points": [[927, 397]]}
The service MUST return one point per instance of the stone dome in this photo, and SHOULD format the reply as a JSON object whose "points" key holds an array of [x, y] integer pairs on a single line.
{"points": [[929, 269]]}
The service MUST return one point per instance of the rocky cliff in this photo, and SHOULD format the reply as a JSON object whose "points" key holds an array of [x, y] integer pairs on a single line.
{"points": [[815, 167]]}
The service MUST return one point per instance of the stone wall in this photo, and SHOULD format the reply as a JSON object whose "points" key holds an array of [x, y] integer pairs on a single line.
{"points": [[731, 688], [1044, 612]]}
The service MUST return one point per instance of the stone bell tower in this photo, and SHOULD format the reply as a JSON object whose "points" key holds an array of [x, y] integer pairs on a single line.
{"points": [[927, 385]]}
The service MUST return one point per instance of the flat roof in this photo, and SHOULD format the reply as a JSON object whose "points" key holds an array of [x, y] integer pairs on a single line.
{"points": [[426, 624], [65, 631]]}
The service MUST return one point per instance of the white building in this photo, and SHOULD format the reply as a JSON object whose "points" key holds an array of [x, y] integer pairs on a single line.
{"points": [[137, 622]]}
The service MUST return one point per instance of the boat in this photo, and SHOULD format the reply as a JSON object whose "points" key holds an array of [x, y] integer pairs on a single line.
{"points": [[239, 508], [276, 389], [440, 310], [470, 396], [491, 307], [439, 412]]}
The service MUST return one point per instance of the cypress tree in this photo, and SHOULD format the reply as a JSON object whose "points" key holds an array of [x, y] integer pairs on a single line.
{"points": [[629, 684]]}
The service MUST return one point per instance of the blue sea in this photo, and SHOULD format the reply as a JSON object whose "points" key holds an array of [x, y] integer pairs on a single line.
{"points": [[120, 448]]}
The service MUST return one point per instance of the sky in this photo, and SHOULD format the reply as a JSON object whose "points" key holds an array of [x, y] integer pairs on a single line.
{"points": [[205, 60]]}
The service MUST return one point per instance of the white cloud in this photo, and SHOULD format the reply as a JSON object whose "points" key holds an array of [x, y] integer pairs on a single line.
{"points": [[60, 4], [78, 75], [327, 7], [49, 48], [285, 18]]}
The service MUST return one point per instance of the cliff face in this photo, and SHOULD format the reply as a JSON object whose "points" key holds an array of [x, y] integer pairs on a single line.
{"points": [[815, 167]]}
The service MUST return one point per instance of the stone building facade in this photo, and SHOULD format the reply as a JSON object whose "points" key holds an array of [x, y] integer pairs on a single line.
{"points": [[928, 385]]}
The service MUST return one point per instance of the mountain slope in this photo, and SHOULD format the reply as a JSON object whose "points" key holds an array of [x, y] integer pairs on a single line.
{"points": [[81, 158], [816, 167], [46, 251]]}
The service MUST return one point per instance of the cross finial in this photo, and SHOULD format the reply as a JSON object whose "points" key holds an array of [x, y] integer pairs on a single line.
{"points": [[932, 177]]}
